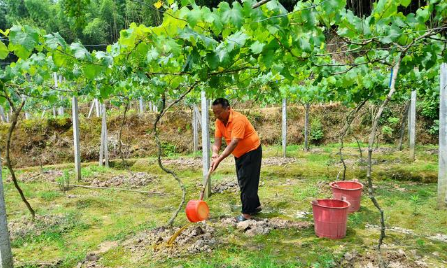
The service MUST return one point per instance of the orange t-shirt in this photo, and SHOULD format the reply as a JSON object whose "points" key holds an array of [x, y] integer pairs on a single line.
{"points": [[239, 127]]}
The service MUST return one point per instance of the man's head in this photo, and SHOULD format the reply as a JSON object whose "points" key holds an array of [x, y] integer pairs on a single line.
{"points": [[221, 109]]}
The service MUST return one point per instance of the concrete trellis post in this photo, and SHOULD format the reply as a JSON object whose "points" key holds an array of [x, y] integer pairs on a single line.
{"points": [[2, 114], [442, 174], [412, 124], [141, 104], [104, 151], [77, 147], [195, 129], [284, 127], [205, 142]]}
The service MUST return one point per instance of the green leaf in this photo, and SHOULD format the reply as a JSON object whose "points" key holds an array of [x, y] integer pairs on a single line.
{"points": [[257, 47], [194, 16], [26, 37], [79, 51], [60, 59], [231, 16], [405, 3], [304, 44], [4, 51], [55, 40], [213, 60], [222, 53], [238, 38], [268, 58], [152, 54], [422, 15], [392, 34]]}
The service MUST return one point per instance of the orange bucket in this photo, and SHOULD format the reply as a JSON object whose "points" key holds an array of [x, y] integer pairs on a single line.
{"points": [[198, 210]]}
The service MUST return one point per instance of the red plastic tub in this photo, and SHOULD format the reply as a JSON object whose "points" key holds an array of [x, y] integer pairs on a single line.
{"points": [[330, 217], [351, 190], [197, 210]]}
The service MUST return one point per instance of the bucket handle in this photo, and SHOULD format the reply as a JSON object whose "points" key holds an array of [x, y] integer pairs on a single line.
{"points": [[334, 184], [206, 183], [314, 202]]}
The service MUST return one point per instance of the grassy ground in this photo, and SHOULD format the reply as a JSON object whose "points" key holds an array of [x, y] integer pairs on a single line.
{"points": [[72, 224]]}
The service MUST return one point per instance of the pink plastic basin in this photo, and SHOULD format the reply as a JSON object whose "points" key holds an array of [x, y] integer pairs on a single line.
{"points": [[330, 217]]}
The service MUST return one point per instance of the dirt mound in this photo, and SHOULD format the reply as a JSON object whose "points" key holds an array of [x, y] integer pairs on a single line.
{"points": [[392, 259], [195, 238], [227, 184], [23, 227], [184, 162], [132, 180], [264, 226], [35, 176], [278, 161]]}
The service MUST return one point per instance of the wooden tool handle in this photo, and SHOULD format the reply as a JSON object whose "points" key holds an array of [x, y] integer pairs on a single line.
{"points": [[206, 183]]}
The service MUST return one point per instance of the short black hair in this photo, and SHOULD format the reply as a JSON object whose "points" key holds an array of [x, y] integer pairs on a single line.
{"points": [[222, 101]]}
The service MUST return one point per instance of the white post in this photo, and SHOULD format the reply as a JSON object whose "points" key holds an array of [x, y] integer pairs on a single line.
{"points": [[98, 109], [55, 80], [195, 130], [150, 106], [43, 114], [91, 109], [26, 113], [77, 149], [2, 114], [198, 116], [104, 135], [141, 105], [306, 127], [205, 142], [54, 112], [442, 174], [5, 245], [412, 126], [60, 110], [284, 126], [101, 147]]}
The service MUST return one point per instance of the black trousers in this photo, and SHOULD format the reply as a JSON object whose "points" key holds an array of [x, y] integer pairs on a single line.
{"points": [[248, 170]]}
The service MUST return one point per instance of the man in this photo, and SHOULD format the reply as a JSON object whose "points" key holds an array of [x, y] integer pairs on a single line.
{"points": [[244, 143]]}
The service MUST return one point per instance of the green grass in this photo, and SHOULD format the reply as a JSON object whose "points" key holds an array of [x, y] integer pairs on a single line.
{"points": [[91, 217]]}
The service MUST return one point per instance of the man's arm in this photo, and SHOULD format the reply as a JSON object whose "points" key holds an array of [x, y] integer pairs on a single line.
{"points": [[216, 147], [230, 148]]}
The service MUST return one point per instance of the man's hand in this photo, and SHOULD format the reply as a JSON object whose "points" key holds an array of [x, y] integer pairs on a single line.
{"points": [[215, 163]]}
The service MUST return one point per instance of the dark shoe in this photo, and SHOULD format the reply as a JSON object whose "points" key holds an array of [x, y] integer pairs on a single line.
{"points": [[257, 210], [241, 218]]}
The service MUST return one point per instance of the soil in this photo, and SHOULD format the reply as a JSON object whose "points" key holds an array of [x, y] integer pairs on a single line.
{"points": [[256, 226], [184, 163], [24, 227], [195, 238], [226, 184], [132, 180], [370, 259], [278, 161]]}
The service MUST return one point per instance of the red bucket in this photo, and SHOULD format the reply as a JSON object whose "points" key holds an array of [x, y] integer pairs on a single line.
{"points": [[197, 210], [330, 217], [351, 190]]}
